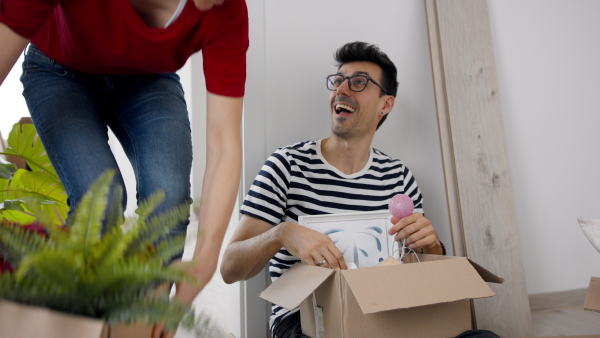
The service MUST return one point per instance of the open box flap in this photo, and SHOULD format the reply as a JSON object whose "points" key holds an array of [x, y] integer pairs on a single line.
{"points": [[485, 274], [289, 290], [416, 284], [592, 299]]}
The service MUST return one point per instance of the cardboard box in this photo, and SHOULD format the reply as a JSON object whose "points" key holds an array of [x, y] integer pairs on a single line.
{"points": [[430, 298], [592, 299], [23, 321]]}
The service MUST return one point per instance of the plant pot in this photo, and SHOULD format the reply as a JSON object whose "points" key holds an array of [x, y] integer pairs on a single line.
{"points": [[24, 321]]}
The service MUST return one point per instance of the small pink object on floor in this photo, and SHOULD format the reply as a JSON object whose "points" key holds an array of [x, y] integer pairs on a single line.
{"points": [[401, 206]]}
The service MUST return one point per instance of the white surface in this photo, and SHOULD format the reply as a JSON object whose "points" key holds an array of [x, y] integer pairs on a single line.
{"points": [[12, 103], [591, 229], [547, 62]]}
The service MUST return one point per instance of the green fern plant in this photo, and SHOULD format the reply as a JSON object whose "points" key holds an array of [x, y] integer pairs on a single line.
{"points": [[93, 267], [113, 276], [40, 186]]}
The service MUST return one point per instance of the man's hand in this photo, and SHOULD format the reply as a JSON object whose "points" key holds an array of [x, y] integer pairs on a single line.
{"points": [[312, 247], [418, 231]]}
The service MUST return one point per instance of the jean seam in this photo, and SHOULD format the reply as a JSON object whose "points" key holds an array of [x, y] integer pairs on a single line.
{"points": [[136, 156]]}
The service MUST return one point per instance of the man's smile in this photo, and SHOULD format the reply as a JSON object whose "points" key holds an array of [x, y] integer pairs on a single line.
{"points": [[343, 108]]}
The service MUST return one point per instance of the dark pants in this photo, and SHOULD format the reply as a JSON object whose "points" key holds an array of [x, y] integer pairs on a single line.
{"points": [[290, 327]]}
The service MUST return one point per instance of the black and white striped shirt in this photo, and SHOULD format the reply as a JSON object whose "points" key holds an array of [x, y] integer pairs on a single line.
{"points": [[297, 180]]}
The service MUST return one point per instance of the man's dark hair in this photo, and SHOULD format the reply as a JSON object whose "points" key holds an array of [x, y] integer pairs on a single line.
{"points": [[362, 51]]}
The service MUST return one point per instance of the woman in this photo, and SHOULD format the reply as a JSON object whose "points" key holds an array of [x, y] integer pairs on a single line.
{"points": [[95, 64]]}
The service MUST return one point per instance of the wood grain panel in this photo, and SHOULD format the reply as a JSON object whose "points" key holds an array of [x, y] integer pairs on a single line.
{"points": [[466, 83], [456, 231]]}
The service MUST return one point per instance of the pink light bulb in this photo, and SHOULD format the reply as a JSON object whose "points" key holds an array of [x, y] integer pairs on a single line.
{"points": [[401, 206]]}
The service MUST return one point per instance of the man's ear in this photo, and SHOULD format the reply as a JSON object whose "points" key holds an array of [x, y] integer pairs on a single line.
{"points": [[388, 104]]}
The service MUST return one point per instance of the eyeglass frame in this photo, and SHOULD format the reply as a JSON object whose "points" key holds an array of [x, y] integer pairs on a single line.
{"points": [[350, 87]]}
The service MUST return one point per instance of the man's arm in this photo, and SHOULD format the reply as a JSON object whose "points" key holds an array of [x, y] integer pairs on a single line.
{"points": [[12, 46], [255, 242]]}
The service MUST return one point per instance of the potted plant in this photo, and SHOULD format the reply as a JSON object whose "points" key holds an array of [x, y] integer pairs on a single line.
{"points": [[102, 267]]}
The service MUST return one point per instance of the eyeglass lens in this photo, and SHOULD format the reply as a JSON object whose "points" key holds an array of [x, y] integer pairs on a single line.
{"points": [[356, 83]]}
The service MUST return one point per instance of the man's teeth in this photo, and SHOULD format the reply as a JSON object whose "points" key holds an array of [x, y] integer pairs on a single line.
{"points": [[339, 107]]}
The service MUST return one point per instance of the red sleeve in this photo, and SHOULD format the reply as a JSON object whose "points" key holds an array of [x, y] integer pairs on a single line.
{"points": [[25, 17], [224, 56]]}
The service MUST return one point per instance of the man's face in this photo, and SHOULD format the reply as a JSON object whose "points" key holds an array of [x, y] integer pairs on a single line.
{"points": [[354, 114], [205, 5]]}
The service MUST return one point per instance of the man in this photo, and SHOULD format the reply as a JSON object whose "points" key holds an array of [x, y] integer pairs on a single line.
{"points": [[341, 173]]}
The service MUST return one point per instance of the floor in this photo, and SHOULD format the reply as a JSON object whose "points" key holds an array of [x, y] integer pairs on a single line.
{"points": [[565, 321]]}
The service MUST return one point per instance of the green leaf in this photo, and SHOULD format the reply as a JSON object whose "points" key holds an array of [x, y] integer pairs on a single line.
{"points": [[16, 217], [12, 205], [7, 170], [11, 191], [24, 142], [10, 188], [47, 194]]}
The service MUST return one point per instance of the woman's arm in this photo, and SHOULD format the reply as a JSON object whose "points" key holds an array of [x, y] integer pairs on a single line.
{"points": [[219, 191], [12, 46], [221, 180]]}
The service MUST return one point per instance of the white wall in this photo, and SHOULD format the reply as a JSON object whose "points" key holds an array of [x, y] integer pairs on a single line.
{"points": [[300, 43], [12, 103], [291, 51], [547, 56]]}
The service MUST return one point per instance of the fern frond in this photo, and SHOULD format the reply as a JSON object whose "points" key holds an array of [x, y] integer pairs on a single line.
{"points": [[136, 274], [133, 225], [156, 227], [90, 213], [153, 309], [169, 248], [65, 271], [115, 218], [19, 242], [147, 207], [110, 250]]}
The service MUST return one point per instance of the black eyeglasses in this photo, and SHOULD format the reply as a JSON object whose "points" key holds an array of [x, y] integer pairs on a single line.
{"points": [[356, 83]]}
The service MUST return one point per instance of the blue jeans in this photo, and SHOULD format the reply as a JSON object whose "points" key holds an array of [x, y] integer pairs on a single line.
{"points": [[72, 112]]}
